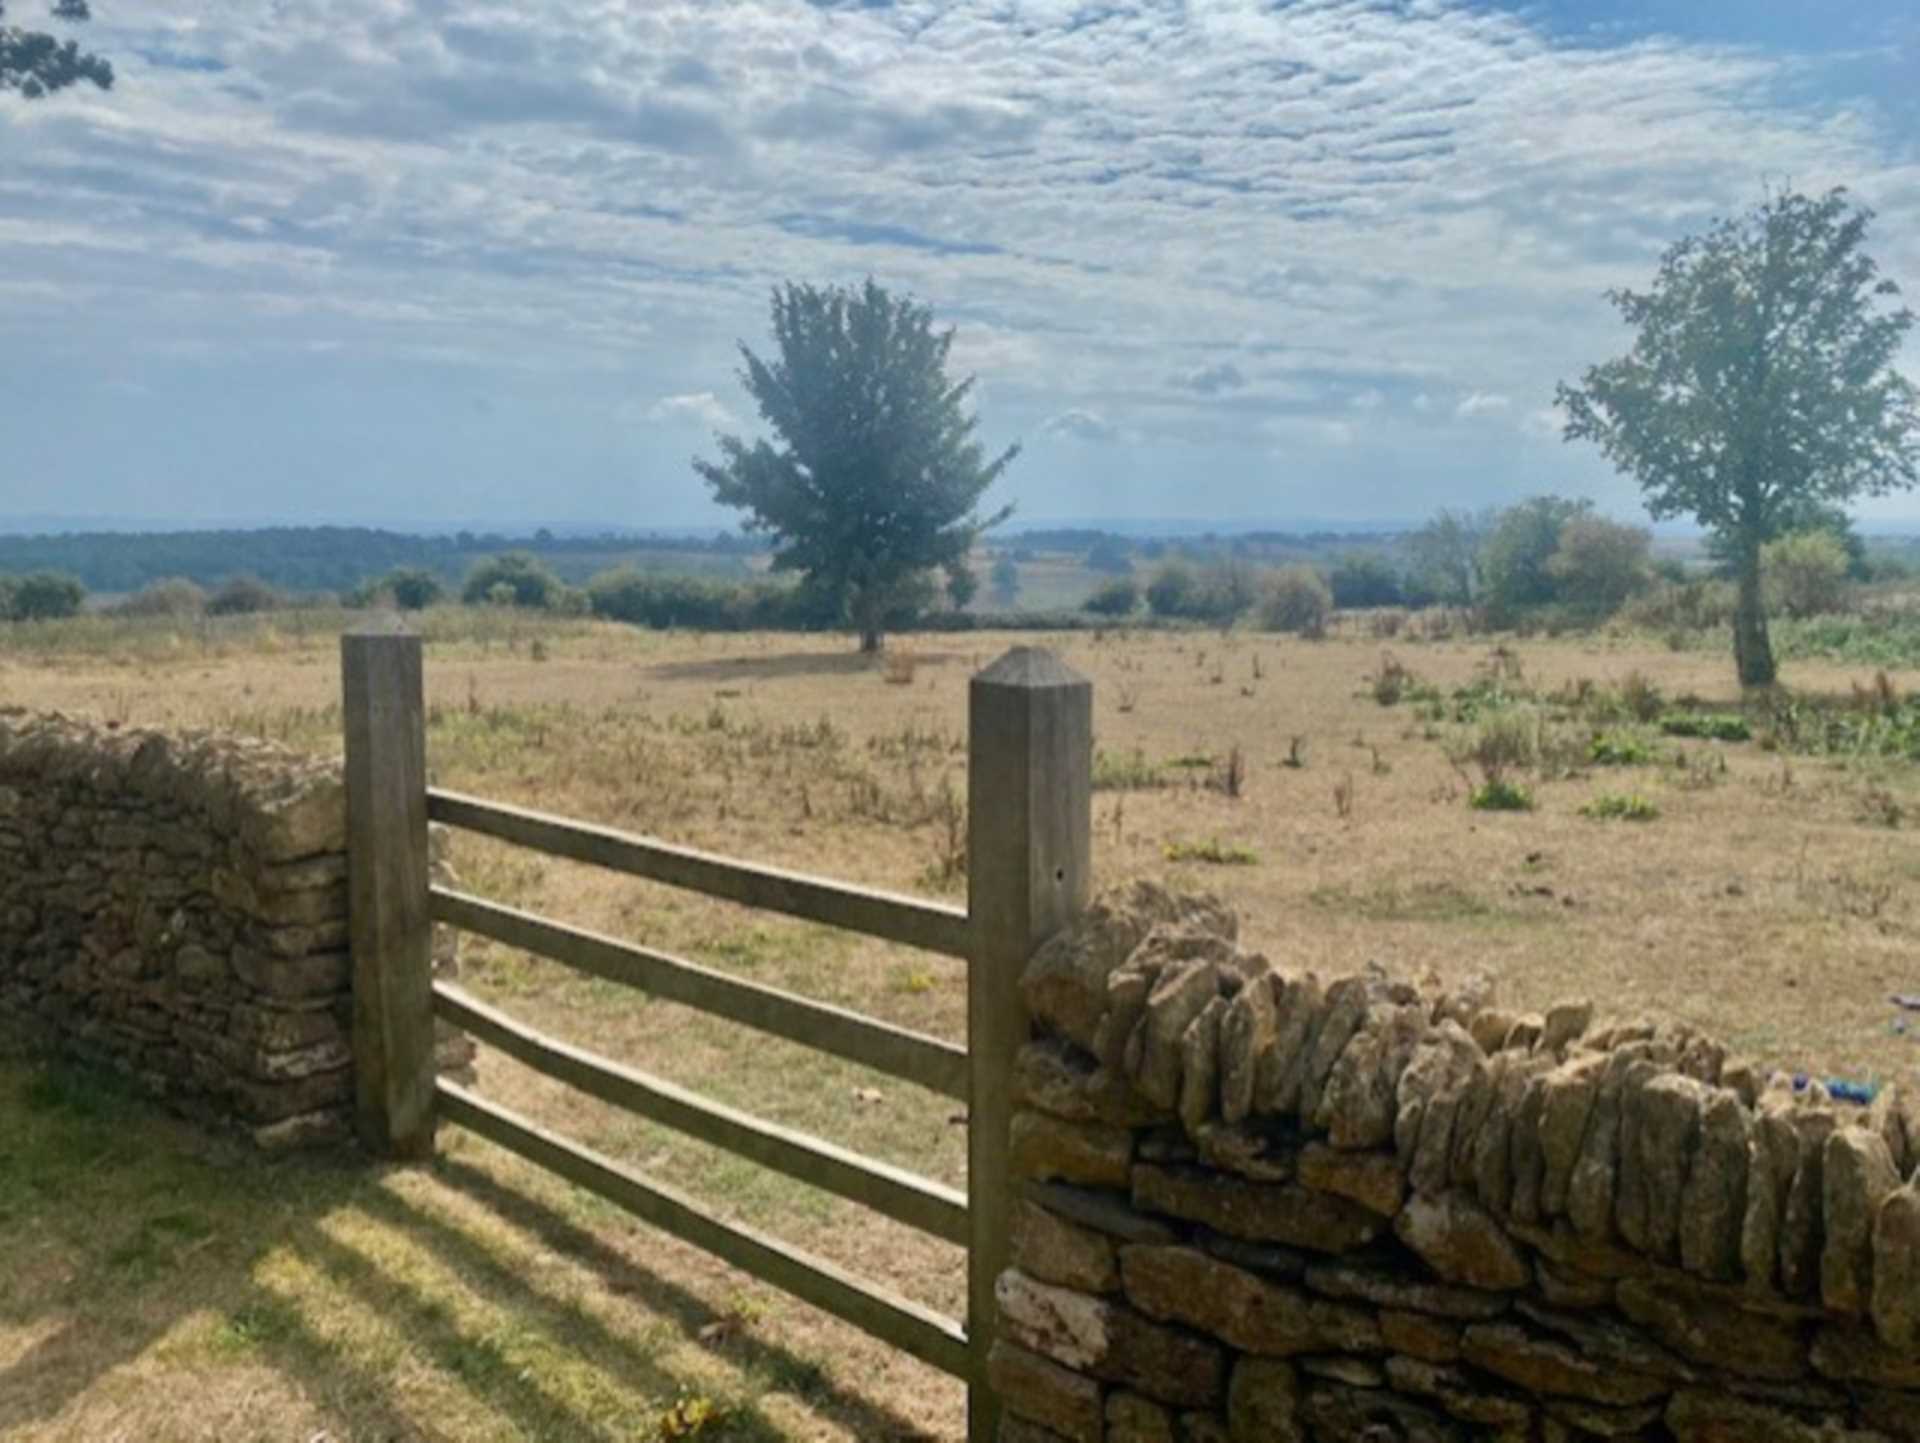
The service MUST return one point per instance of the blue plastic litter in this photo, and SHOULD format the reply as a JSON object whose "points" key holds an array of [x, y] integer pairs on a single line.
{"points": [[1841, 1090]]}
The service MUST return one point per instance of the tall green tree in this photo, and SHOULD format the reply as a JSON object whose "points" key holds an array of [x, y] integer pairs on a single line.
{"points": [[36, 63], [874, 478], [1761, 381], [1444, 555], [1515, 561]]}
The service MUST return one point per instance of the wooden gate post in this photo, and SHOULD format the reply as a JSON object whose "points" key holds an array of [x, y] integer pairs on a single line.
{"points": [[1029, 844], [390, 930]]}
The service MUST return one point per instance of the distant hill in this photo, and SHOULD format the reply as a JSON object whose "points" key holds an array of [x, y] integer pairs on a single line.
{"points": [[337, 558]]}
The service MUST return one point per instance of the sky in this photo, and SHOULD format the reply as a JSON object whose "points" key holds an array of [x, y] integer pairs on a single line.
{"points": [[446, 261]]}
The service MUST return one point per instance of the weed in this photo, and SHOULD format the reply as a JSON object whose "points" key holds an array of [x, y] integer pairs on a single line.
{"points": [[1698, 771], [1498, 795], [1618, 749], [1710, 726], [1212, 850], [1640, 698], [1126, 698], [1625, 807], [1129, 773], [1343, 797], [1392, 681], [1880, 807], [1231, 777], [899, 668], [1296, 756], [691, 1415]]}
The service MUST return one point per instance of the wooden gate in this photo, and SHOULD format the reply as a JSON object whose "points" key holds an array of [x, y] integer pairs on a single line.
{"points": [[1029, 831]]}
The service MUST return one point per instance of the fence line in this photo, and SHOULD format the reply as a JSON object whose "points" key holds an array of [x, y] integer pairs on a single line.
{"points": [[909, 1056], [873, 1309], [1029, 801], [886, 915], [916, 1201]]}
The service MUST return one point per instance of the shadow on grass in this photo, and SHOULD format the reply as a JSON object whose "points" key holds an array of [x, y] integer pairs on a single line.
{"points": [[121, 1225], [664, 1298]]}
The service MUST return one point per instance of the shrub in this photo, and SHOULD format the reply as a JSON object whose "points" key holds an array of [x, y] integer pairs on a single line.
{"points": [[174, 596], [1640, 697], [1631, 807], [1500, 795], [1392, 681], [243, 596], [1599, 564], [413, 588], [1682, 605], [1114, 598], [1170, 593], [45, 596], [1364, 579], [1618, 749], [1224, 592], [1805, 574], [513, 578], [1295, 599]]}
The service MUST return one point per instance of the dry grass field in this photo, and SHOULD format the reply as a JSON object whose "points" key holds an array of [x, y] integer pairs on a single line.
{"points": [[172, 1289]]}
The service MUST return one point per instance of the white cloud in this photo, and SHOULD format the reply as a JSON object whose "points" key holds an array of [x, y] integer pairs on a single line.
{"points": [[694, 406], [1350, 200], [1079, 424]]}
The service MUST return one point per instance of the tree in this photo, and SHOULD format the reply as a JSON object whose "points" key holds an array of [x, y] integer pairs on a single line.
{"points": [[37, 64], [1445, 554], [1760, 381], [1170, 593], [1365, 578], [1599, 564], [1116, 597], [413, 587], [1804, 573], [45, 596], [513, 578], [876, 476], [1515, 556], [1294, 598]]}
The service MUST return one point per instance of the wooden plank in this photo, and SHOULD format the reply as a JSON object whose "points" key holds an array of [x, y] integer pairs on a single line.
{"points": [[1029, 853], [904, 1196], [887, 915], [389, 933], [910, 1056], [870, 1307]]}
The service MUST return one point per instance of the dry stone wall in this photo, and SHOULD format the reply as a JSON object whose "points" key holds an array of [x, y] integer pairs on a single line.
{"points": [[174, 906], [1262, 1205]]}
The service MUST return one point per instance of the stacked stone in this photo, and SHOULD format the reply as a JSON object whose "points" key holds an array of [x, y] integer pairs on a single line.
{"points": [[175, 906], [1260, 1205]]}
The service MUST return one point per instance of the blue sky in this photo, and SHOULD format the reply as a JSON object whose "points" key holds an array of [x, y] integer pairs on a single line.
{"points": [[446, 260]]}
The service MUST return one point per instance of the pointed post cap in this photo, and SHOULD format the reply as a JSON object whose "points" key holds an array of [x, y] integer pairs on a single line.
{"points": [[1030, 668]]}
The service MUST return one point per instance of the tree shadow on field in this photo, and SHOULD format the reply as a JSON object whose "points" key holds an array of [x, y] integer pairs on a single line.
{"points": [[791, 665]]}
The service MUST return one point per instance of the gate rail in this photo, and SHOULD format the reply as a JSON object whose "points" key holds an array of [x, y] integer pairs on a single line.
{"points": [[1029, 832]]}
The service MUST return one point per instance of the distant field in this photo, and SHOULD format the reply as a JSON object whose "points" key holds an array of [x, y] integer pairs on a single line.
{"points": [[1770, 900]]}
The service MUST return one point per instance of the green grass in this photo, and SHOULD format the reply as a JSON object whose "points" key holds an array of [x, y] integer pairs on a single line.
{"points": [[1619, 749], [154, 1270], [1627, 807], [1499, 795], [1128, 772], [1212, 851]]}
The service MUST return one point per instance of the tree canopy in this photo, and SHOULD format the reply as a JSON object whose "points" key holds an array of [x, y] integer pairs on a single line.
{"points": [[875, 476], [1760, 383], [36, 63]]}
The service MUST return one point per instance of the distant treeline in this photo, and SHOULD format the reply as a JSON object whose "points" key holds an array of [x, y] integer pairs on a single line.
{"points": [[338, 558]]}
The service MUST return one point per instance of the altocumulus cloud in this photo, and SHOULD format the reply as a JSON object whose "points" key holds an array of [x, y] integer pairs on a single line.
{"points": [[572, 207]]}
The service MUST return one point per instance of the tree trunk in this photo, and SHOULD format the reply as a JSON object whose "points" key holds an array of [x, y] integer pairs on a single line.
{"points": [[869, 638], [1752, 650]]}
